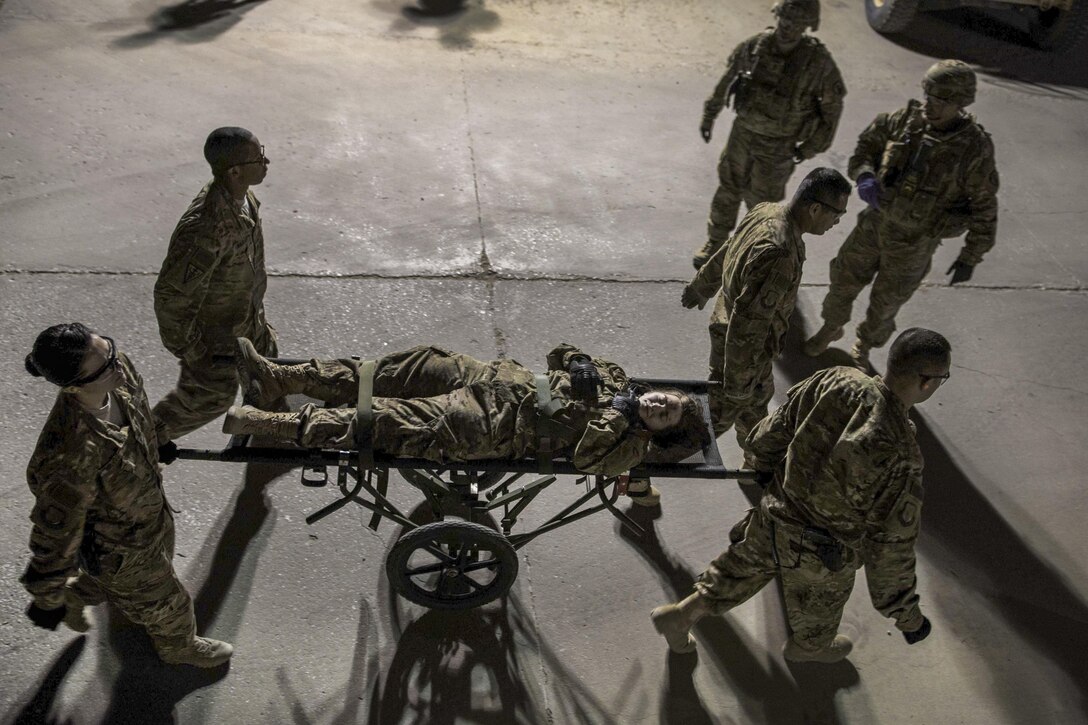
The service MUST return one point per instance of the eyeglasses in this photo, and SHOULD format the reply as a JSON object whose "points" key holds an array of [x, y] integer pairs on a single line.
{"points": [[262, 160], [111, 361], [942, 378], [837, 212]]}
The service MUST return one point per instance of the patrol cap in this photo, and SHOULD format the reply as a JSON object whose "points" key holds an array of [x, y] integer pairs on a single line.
{"points": [[227, 147], [802, 11], [951, 80]]}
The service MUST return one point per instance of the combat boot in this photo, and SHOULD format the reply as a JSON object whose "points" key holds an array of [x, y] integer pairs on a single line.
{"points": [[826, 335], [643, 493], [671, 624], [201, 652], [75, 614], [246, 420], [834, 651], [264, 383], [859, 354], [705, 253]]}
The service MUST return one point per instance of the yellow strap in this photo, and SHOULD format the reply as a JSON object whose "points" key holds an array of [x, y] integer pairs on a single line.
{"points": [[364, 415]]}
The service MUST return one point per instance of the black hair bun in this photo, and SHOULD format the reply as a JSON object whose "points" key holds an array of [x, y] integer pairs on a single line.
{"points": [[31, 367]]}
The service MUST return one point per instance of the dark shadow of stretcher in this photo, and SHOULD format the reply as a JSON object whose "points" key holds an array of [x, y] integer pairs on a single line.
{"points": [[459, 561]]}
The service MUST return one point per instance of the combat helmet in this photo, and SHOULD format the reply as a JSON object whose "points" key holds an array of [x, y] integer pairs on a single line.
{"points": [[803, 11], [950, 80]]}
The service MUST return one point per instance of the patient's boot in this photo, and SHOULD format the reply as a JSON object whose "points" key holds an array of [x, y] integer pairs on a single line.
{"points": [[246, 420], [264, 382], [834, 651], [826, 335], [643, 493]]}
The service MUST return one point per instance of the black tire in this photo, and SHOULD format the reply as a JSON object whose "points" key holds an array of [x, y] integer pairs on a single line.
{"points": [[1059, 30], [890, 16], [452, 565]]}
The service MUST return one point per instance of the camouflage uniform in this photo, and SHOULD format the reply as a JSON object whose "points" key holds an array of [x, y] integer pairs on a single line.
{"points": [[935, 185], [101, 515], [791, 105], [758, 272], [845, 461], [444, 406], [209, 292]]}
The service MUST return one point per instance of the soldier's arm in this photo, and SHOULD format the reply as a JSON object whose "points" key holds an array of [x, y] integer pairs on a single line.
{"points": [[714, 105], [58, 517], [981, 186], [708, 280], [766, 283], [870, 147], [609, 446], [770, 439], [559, 358], [182, 286], [828, 109], [888, 552]]}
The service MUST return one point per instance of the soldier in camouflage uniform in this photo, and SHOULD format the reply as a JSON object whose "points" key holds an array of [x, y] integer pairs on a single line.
{"points": [[788, 96], [444, 406], [758, 272], [102, 527], [211, 286], [927, 173], [844, 490]]}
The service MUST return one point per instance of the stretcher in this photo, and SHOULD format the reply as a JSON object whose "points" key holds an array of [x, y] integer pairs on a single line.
{"points": [[461, 559]]}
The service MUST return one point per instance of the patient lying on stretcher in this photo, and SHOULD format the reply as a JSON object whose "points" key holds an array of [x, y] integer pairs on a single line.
{"points": [[447, 407]]}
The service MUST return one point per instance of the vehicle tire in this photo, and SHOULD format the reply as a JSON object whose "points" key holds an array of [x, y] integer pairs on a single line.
{"points": [[452, 565], [890, 16], [1059, 30]]}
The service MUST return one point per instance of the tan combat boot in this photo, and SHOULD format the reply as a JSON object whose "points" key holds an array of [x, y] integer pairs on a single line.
{"points": [[671, 624], [246, 420], [201, 652], [816, 344], [643, 493], [75, 614], [263, 382], [859, 353], [834, 651]]}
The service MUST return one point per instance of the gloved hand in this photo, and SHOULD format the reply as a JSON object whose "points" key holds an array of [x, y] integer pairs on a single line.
{"points": [[869, 190], [763, 478], [45, 618], [690, 298], [626, 402], [706, 128], [960, 271], [919, 634], [585, 381], [168, 453]]}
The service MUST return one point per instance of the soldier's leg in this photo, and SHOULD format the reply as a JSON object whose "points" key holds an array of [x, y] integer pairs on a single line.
{"points": [[815, 598], [753, 412], [734, 165], [722, 412], [426, 371], [771, 170], [200, 396], [851, 270], [903, 266]]}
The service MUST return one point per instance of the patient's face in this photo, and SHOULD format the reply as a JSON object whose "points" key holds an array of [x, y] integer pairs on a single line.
{"points": [[659, 411]]}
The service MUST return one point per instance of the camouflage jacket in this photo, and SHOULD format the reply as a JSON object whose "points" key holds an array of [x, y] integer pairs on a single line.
{"points": [[211, 286], [758, 271], [845, 459], [797, 96], [96, 486], [941, 183]]}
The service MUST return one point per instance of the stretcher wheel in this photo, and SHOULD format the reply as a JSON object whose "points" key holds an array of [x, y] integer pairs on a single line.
{"points": [[452, 565]]}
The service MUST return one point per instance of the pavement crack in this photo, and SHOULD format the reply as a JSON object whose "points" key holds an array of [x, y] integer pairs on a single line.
{"points": [[1021, 380]]}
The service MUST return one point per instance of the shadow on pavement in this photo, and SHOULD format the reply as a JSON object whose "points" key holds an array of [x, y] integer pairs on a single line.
{"points": [[767, 696], [999, 49], [965, 535], [36, 710], [193, 21], [457, 20]]}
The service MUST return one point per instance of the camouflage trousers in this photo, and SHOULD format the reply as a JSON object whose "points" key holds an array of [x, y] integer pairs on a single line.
{"points": [[202, 394], [143, 585], [893, 258], [428, 403], [815, 597], [752, 168], [726, 412]]}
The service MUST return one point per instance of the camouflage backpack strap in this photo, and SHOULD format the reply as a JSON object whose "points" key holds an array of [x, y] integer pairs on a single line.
{"points": [[364, 415], [551, 435]]}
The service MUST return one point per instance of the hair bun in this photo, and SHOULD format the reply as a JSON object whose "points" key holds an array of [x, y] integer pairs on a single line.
{"points": [[31, 367]]}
